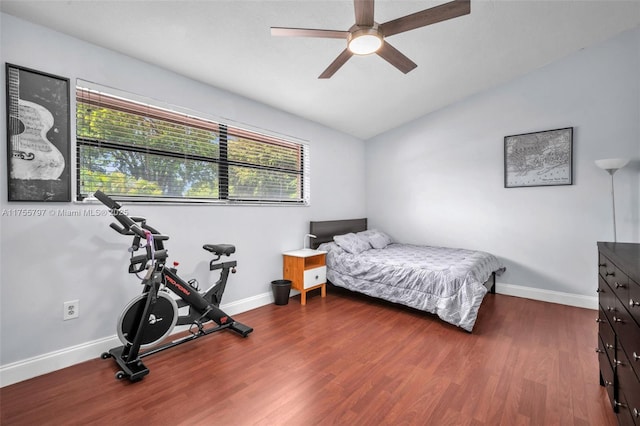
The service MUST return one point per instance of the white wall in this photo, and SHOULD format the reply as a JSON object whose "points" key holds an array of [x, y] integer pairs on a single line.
{"points": [[46, 261], [439, 179]]}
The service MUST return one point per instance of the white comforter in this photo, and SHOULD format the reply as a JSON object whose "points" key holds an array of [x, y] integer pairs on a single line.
{"points": [[447, 282]]}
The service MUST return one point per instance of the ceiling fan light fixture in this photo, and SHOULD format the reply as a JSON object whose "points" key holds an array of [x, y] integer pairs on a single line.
{"points": [[365, 41]]}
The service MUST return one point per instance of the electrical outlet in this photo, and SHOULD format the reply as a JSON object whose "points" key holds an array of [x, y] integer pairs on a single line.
{"points": [[71, 310]]}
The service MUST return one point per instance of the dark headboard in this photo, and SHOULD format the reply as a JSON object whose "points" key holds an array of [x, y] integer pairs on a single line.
{"points": [[325, 230]]}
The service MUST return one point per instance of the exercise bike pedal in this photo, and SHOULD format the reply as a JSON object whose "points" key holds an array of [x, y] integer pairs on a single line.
{"points": [[198, 324], [194, 283]]}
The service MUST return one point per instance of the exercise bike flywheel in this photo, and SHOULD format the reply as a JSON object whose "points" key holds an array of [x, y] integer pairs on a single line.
{"points": [[160, 322]]}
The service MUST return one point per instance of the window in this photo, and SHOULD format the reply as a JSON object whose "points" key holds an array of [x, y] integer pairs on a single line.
{"points": [[142, 151]]}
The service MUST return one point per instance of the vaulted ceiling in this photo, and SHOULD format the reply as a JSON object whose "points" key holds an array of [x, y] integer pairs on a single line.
{"points": [[228, 44]]}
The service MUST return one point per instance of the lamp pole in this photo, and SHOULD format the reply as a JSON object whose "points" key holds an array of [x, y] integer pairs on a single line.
{"points": [[612, 165], [613, 205]]}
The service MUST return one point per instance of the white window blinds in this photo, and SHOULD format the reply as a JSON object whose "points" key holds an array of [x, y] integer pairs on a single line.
{"points": [[137, 150]]}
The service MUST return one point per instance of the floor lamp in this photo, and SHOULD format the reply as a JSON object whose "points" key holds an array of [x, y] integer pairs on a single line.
{"points": [[612, 165]]}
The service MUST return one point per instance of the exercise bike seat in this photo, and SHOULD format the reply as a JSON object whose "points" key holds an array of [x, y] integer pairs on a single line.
{"points": [[220, 249]]}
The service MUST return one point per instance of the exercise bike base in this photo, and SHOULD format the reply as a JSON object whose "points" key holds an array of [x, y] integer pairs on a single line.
{"points": [[135, 370], [241, 329]]}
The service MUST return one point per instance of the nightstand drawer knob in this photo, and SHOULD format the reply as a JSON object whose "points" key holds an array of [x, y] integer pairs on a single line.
{"points": [[633, 303], [602, 265], [611, 308], [609, 274], [599, 320], [636, 413], [600, 351], [608, 345], [619, 404], [606, 383], [616, 319], [636, 357], [618, 285]]}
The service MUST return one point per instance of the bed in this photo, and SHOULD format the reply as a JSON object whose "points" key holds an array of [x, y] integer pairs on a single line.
{"points": [[448, 282]]}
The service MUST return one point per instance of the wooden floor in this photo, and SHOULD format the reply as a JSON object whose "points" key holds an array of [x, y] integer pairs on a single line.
{"points": [[346, 360]]}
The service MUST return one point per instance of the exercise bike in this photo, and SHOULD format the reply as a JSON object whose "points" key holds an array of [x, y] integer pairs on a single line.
{"points": [[150, 317]]}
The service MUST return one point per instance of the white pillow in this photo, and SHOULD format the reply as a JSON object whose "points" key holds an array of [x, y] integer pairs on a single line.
{"points": [[352, 243], [377, 239]]}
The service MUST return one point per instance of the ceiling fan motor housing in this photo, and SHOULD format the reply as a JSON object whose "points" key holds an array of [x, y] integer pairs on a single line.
{"points": [[364, 40]]}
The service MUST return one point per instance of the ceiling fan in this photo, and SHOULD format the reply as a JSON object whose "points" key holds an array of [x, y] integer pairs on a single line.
{"points": [[367, 36]]}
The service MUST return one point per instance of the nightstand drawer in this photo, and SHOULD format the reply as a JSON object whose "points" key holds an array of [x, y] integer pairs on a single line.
{"points": [[315, 276]]}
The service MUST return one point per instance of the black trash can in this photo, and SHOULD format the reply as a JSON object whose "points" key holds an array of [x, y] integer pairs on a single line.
{"points": [[281, 289]]}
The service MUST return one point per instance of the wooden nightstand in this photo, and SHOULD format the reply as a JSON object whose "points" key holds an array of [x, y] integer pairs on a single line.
{"points": [[306, 269]]}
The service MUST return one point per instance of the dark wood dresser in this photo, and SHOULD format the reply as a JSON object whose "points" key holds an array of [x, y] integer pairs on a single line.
{"points": [[619, 327]]}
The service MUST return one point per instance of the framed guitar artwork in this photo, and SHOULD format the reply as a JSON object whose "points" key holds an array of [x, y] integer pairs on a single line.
{"points": [[38, 136]]}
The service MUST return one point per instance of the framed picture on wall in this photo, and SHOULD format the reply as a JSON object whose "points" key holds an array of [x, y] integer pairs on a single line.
{"points": [[38, 136], [539, 159]]}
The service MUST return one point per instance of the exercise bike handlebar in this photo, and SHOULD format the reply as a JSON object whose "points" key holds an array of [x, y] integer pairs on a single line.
{"points": [[106, 200], [137, 227], [129, 226]]}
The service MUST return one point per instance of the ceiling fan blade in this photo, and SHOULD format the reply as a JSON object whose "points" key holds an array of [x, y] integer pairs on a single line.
{"points": [[306, 32], [364, 12], [336, 64], [395, 58], [426, 17]]}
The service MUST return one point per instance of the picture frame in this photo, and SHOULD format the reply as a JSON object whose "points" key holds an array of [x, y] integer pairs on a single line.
{"points": [[542, 158], [38, 135]]}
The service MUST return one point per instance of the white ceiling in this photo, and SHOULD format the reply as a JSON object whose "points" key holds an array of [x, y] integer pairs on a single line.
{"points": [[228, 44]]}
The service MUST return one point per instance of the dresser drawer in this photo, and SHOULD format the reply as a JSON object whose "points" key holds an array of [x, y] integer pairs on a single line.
{"points": [[607, 336], [607, 376], [633, 401], [607, 298], [633, 304], [629, 342], [620, 285], [617, 280], [625, 418], [603, 264], [315, 276], [624, 326], [629, 389]]}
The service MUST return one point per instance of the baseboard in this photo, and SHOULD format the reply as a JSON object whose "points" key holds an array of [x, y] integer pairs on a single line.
{"points": [[57, 360], [578, 300], [247, 304]]}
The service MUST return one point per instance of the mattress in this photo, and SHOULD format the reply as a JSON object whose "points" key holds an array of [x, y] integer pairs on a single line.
{"points": [[447, 282]]}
